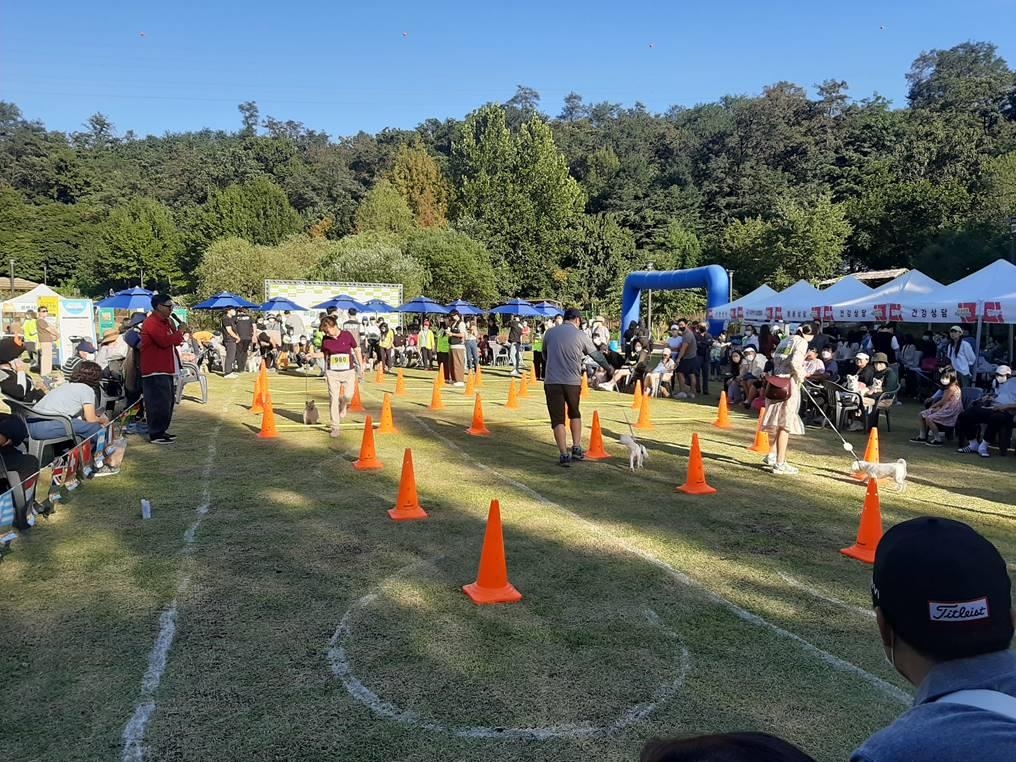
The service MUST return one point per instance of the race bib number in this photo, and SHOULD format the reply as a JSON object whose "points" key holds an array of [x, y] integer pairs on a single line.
{"points": [[338, 362]]}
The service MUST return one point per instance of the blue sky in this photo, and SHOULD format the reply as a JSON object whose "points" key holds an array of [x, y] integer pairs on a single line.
{"points": [[342, 67]]}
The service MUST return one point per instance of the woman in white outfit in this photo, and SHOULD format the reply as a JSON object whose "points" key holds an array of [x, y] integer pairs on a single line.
{"points": [[961, 356], [782, 417]]}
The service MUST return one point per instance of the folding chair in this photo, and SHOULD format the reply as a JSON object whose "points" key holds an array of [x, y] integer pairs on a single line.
{"points": [[883, 405], [189, 374], [843, 403], [27, 414]]}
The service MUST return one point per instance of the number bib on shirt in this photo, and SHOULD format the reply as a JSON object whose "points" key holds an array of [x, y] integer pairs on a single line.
{"points": [[338, 362]]}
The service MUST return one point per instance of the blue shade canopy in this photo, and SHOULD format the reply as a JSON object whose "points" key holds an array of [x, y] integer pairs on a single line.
{"points": [[425, 305], [340, 302], [464, 308], [128, 299], [378, 305], [281, 303], [517, 307], [222, 301], [548, 310]]}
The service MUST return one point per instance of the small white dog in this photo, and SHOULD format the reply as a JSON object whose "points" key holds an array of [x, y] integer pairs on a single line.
{"points": [[637, 453], [896, 471]]}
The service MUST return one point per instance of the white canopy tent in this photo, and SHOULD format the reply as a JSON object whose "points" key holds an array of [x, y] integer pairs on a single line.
{"points": [[75, 318], [978, 296], [886, 302], [843, 290], [793, 304], [735, 310], [30, 299]]}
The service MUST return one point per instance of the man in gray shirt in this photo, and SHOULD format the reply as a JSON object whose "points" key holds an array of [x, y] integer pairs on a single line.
{"points": [[943, 604], [564, 346]]}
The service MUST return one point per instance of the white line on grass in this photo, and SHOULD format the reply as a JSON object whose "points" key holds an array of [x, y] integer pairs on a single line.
{"points": [[741, 613], [341, 668], [828, 599], [134, 730]]}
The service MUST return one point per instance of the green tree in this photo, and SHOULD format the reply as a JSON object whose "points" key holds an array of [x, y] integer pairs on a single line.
{"points": [[371, 258], [140, 236], [257, 211], [970, 77], [384, 210], [418, 179], [597, 253], [457, 267], [233, 264]]}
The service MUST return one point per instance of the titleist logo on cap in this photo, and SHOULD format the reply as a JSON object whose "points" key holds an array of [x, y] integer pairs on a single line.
{"points": [[965, 611]]}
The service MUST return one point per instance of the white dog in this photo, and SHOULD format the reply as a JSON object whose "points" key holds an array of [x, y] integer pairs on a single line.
{"points": [[896, 471], [637, 453]]}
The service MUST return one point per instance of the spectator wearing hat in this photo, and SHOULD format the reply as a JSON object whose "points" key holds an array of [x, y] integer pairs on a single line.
{"points": [[863, 370], [112, 348], [961, 356], [752, 368], [15, 382], [159, 367], [85, 350], [943, 606], [990, 417], [883, 379]]}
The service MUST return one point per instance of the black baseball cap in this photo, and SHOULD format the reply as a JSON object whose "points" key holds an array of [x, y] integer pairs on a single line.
{"points": [[572, 313], [943, 588]]}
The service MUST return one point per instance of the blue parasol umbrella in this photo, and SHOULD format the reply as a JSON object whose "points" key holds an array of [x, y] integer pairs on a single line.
{"points": [[464, 308], [377, 305], [281, 303], [517, 307], [340, 302], [222, 301], [128, 299], [548, 309], [424, 305]]}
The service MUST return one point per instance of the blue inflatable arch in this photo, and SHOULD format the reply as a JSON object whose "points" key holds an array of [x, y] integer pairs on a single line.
{"points": [[712, 278]]}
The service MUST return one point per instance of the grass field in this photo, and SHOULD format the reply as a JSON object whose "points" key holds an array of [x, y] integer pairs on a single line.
{"points": [[270, 610]]}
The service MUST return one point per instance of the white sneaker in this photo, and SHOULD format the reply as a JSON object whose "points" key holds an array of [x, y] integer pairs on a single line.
{"points": [[982, 450], [459, 383], [970, 448], [769, 460], [785, 469], [232, 375]]}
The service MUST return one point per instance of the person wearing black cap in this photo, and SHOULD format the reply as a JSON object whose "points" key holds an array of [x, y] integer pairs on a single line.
{"points": [[943, 604], [85, 350], [564, 346]]}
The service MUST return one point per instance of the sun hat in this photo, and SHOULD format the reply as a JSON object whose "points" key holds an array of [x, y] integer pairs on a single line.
{"points": [[862, 356], [109, 335], [675, 327], [84, 346], [1003, 370], [956, 328], [880, 357], [943, 588]]}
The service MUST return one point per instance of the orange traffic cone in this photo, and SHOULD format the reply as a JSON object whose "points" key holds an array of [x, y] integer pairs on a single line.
{"points": [[645, 422], [524, 386], [869, 533], [356, 404], [268, 430], [479, 377], [400, 384], [513, 397], [596, 451], [379, 375], [470, 383], [584, 389], [723, 414], [435, 397], [407, 505], [532, 375], [492, 585], [368, 455], [870, 453], [636, 397], [479, 428], [761, 443], [257, 405], [440, 374], [695, 484], [387, 422]]}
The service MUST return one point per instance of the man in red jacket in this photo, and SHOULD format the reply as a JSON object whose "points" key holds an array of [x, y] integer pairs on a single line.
{"points": [[159, 367]]}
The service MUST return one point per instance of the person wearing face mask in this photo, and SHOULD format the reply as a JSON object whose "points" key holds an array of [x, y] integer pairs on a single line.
{"points": [[15, 382], [749, 339], [832, 368], [943, 607], [85, 350], [230, 340], [944, 412], [990, 417]]}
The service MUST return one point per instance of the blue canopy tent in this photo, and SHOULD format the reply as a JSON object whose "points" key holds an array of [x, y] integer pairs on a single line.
{"points": [[378, 306], [518, 307], [464, 308], [548, 310], [423, 305], [132, 299], [281, 303], [340, 302], [224, 300]]}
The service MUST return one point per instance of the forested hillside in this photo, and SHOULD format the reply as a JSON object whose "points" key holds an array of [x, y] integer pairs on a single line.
{"points": [[517, 200]]}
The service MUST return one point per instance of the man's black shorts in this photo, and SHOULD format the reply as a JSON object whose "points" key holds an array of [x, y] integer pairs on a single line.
{"points": [[559, 398], [689, 365]]}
